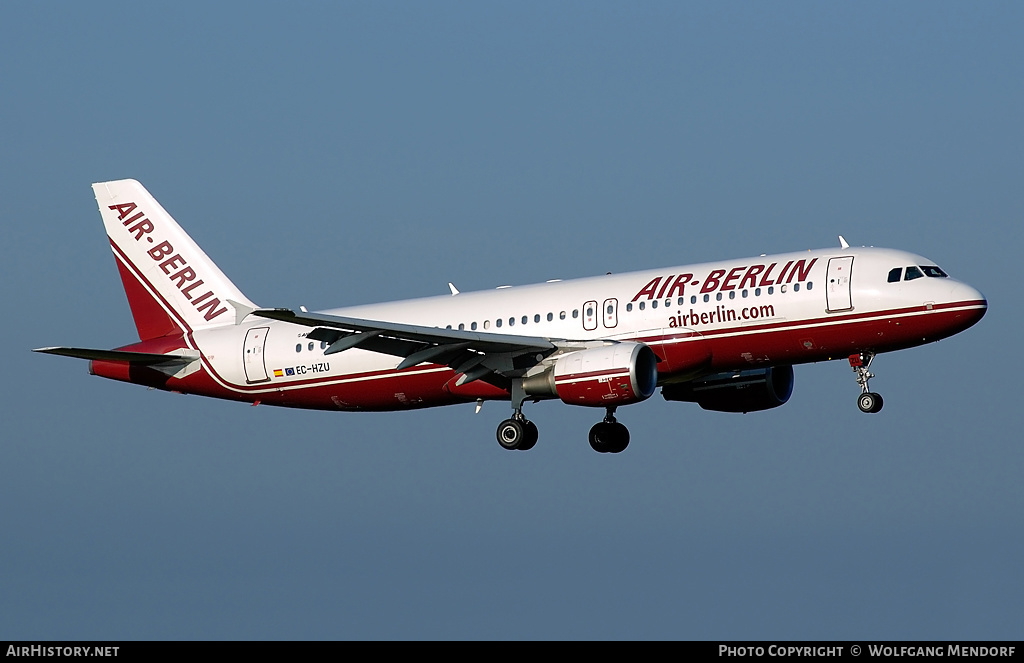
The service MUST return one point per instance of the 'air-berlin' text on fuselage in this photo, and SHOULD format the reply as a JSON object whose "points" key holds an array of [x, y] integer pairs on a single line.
{"points": [[753, 276], [172, 264]]}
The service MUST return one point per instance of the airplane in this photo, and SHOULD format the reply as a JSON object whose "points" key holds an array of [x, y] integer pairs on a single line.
{"points": [[724, 335]]}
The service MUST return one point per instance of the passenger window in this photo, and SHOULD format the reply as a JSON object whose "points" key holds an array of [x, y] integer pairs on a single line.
{"points": [[487, 324], [654, 304], [298, 347], [732, 294], [462, 327], [796, 287], [810, 284], [561, 315], [895, 274], [913, 273], [511, 322], [525, 319], [551, 316], [311, 346], [575, 313], [473, 326], [536, 317], [693, 299], [497, 323], [707, 298], [642, 306], [629, 307]]}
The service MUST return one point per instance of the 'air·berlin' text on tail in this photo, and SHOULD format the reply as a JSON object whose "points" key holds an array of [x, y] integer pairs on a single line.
{"points": [[172, 285]]}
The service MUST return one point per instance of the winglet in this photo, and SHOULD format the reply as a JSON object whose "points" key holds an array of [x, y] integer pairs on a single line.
{"points": [[843, 243]]}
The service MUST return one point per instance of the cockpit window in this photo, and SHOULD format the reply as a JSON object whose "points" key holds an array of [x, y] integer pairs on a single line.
{"points": [[913, 273], [895, 275], [933, 271]]}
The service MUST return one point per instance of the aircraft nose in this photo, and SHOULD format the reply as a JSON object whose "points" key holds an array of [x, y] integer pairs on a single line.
{"points": [[969, 296]]}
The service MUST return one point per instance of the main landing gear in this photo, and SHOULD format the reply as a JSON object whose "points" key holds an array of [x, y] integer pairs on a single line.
{"points": [[519, 433], [609, 436], [868, 401]]}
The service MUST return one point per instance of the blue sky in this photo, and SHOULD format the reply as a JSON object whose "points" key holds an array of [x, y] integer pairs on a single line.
{"points": [[341, 153]]}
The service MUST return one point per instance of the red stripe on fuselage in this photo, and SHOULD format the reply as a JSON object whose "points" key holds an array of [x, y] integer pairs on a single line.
{"points": [[737, 347]]}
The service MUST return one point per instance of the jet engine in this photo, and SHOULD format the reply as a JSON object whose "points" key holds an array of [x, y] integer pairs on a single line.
{"points": [[610, 375], [737, 391]]}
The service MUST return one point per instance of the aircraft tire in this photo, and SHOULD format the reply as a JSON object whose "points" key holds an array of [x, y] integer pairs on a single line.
{"points": [[869, 402], [621, 438], [609, 437], [511, 434], [531, 434]]}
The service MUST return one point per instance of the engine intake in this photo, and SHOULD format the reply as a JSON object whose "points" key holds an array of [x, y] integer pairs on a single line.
{"points": [[737, 391]]}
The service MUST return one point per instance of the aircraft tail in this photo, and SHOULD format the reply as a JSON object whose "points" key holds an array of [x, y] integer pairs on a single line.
{"points": [[172, 285]]}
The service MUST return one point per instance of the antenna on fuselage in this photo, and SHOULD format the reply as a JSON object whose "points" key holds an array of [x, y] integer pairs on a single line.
{"points": [[843, 243]]}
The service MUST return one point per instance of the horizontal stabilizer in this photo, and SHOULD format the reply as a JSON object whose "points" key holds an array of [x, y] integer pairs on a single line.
{"points": [[140, 358]]}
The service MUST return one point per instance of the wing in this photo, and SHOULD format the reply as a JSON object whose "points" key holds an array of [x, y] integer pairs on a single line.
{"points": [[493, 358]]}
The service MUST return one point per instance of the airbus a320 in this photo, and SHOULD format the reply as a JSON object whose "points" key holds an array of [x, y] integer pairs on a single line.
{"points": [[724, 335]]}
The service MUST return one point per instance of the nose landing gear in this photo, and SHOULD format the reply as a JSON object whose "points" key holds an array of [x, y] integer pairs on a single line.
{"points": [[868, 401]]}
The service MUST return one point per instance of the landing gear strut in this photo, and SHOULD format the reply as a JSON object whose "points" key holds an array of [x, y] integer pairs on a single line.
{"points": [[868, 401], [517, 432], [609, 436]]}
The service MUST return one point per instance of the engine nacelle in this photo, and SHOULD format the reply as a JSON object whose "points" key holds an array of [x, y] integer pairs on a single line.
{"points": [[739, 391], [615, 374]]}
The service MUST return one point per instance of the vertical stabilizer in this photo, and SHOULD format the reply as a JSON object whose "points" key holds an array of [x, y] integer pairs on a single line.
{"points": [[172, 285]]}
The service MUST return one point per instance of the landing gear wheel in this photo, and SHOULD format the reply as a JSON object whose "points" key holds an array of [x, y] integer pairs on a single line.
{"points": [[609, 437], [511, 434], [869, 402], [517, 434], [530, 436]]}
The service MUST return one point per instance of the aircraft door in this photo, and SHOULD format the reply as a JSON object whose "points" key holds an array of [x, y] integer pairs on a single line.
{"points": [[611, 312], [590, 316], [252, 356], [837, 290]]}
